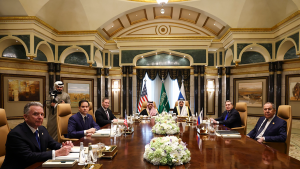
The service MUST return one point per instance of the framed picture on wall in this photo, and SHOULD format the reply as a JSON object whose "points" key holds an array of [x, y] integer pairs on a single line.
{"points": [[250, 90], [79, 89], [292, 93], [18, 89]]}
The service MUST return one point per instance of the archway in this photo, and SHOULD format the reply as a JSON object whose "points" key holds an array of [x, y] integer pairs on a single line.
{"points": [[285, 45]]}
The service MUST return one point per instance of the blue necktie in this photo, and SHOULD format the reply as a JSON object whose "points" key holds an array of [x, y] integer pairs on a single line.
{"points": [[226, 116], [37, 138]]}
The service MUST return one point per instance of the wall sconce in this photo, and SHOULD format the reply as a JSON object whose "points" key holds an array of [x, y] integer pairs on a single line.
{"points": [[210, 85], [115, 85]]}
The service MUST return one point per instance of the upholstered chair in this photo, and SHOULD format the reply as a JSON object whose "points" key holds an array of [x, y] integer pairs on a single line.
{"points": [[4, 130], [63, 114], [284, 112], [91, 111], [241, 107]]}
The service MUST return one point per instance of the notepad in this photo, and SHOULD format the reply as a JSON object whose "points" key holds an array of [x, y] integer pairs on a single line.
{"points": [[59, 163], [76, 149], [70, 156], [231, 136]]}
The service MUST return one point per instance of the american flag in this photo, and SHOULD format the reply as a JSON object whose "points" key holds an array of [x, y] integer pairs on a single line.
{"points": [[143, 98]]}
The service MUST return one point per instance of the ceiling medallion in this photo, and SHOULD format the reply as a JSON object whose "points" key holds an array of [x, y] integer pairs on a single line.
{"points": [[156, 1]]}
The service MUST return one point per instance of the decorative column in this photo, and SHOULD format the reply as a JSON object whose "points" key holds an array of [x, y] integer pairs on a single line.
{"points": [[202, 89], [220, 71], [130, 89], [227, 83], [57, 71], [271, 82], [278, 84], [99, 88], [196, 94], [51, 75], [124, 71], [106, 74]]}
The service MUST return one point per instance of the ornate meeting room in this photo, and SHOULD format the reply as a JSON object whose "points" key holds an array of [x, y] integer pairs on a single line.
{"points": [[170, 83]]}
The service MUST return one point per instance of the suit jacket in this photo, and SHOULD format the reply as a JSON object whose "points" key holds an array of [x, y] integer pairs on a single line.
{"points": [[175, 111], [101, 117], [275, 132], [76, 125], [233, 119], [22, 149]]}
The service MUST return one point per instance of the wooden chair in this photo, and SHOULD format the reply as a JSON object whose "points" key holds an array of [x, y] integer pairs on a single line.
{"points": [[241, 107], [91, 111], [144, 105], [285, 113], [63, 114], [4, 130]]}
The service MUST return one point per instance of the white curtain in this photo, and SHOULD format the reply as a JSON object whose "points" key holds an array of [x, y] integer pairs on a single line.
{"points": [[154, 89]]}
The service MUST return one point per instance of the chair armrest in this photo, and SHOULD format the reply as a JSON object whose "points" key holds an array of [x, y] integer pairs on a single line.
{"points": [[241, 130], [63, 139]]}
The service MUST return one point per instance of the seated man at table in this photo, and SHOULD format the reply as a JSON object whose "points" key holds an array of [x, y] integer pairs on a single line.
{"points": [[182, 109], [269, 128], [150, 110], [230, 117], [26, 144], [82, 124], [104, 115]]}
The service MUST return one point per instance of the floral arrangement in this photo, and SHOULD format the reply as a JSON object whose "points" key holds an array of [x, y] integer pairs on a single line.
{"points": [[163, 117], [167, 150], [165, 127]]}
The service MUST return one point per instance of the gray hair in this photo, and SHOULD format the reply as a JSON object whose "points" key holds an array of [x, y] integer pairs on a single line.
{"points": [[28, 105], [229, 101], [273, 105]]}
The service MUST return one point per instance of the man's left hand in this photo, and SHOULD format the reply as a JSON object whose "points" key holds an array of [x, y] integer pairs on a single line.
{"points": [[62, 101], [260, 140], [68, 143]]}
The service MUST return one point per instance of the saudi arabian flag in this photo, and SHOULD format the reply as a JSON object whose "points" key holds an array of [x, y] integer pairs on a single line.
{"points": [[164, 102]]}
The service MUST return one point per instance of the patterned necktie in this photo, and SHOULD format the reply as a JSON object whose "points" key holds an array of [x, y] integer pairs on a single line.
{"points": [[261, 128], [107, 115], [37, 138]]}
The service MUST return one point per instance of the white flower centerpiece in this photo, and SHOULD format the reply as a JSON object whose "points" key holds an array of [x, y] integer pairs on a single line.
{"points": [[163, 117], [167, 150], [165, 127]]}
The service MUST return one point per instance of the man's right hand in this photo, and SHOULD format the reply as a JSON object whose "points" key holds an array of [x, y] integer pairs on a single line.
{"points": [[65, 150], [90, 131], [115, 120], [52, 104]]}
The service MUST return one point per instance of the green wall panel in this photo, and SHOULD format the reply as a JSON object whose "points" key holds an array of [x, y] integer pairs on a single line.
{"points": [[15, 51], [116, 60], [163, 60], [61, 49], [37, 40], [211, 59], [268, 46], [53, 49], [295, 37], [240, 47], [40, 56], [87, 48], [128, 55], [252, 57], [291, 54], [199, 55], [25, 39], [277, 44], [77, 58]]}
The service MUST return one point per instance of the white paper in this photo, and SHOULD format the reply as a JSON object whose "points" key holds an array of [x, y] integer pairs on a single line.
{"points": [[76, 149], [103, 131], [71, 156]]}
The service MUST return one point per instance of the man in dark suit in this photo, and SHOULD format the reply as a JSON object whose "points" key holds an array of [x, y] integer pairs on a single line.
{"points": [[82, 124], [27, 143], [269, 128], [104, 115], [230, 117]]}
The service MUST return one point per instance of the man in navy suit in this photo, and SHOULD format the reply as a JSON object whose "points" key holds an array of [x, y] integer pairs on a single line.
{"points": [[82, 124], [269, 128], [230, 117], [104, 115], [27, 143]]}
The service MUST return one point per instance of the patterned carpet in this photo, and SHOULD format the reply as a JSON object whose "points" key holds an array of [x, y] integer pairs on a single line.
{"points": [[251, 121]]}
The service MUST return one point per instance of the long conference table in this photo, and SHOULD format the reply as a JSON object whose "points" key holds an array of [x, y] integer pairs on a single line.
{"points": [[207, 151]]}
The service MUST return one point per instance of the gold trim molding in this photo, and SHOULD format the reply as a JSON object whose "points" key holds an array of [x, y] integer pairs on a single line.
{"points": [[167, 38], [154, 1], [163, 67]]}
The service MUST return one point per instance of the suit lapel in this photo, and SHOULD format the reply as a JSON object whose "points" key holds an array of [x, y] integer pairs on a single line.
{"points": [[42, 140], [271, 125], [30, 135], [80, 119]]}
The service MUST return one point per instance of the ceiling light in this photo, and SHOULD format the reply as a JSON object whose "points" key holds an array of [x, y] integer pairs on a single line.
{"points": [[250, 48], [16, 41], [214, 24], [189, 14], [135, 15], [112, 26], [162, 11], [162, 1], [142, 56]]}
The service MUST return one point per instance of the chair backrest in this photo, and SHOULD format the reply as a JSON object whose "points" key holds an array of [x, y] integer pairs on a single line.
{"points": [[91, 111], [4, 130], [285, 113], [64, 112], [185, 102], [144, 105], [241, 107]]}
